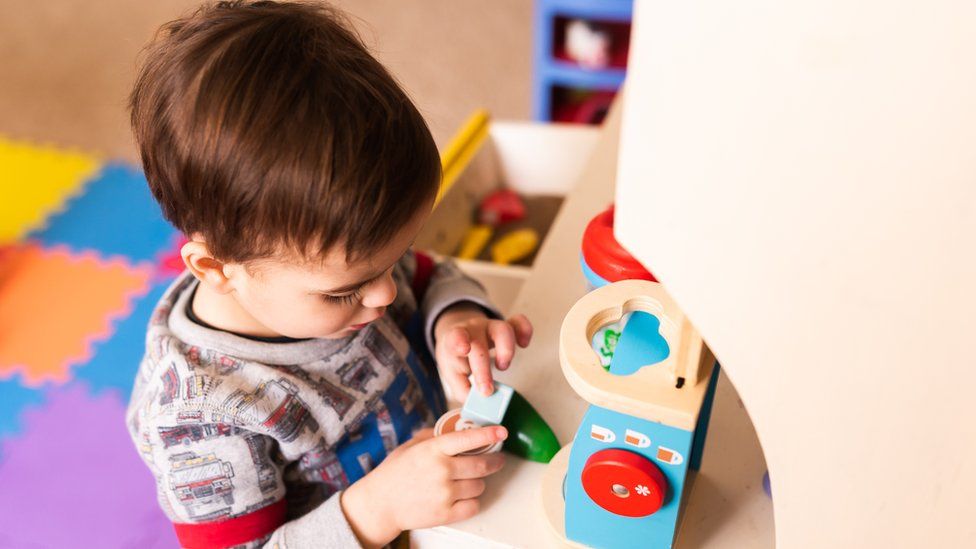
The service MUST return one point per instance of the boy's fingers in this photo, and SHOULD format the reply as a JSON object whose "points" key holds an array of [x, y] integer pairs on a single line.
{"points": [[459, 383], [523, 330], [503, 336], [459, 340], [417, 437], [480, 363], [463, 509], [464, 467], [458, 442], [469, 488]]}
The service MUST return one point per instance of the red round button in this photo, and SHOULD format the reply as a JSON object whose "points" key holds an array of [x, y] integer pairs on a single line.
{"points": [[624, 483]]}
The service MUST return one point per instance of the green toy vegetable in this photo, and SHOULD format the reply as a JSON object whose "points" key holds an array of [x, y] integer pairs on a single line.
{"points": [[529, 436]]}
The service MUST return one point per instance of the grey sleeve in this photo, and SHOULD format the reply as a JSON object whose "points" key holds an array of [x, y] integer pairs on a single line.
{"points": [[324, 526], [449, 286], [208, 472]]}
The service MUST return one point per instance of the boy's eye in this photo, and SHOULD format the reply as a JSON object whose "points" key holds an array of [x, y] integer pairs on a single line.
{"points": [[347, 299], [354, 297]]}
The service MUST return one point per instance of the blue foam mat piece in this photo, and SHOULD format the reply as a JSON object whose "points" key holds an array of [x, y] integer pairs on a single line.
{"points": [[115, 215], [14, 398], [115, 361]]}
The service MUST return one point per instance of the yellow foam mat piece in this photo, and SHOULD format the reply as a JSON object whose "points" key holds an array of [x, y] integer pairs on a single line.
{"points": [[35, 181]]}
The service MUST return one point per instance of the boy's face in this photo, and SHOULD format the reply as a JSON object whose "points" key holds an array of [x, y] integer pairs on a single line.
{"points": [[329, 299]]}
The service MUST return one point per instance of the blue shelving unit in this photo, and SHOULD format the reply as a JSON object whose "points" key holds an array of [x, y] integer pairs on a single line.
{"points": [[551, 72]]}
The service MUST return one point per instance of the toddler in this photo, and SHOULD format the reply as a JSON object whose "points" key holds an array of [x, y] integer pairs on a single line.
{"points": [[290, 371]]}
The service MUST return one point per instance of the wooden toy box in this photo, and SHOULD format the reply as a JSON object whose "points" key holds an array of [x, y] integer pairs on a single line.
{"points": [[539, 161]]}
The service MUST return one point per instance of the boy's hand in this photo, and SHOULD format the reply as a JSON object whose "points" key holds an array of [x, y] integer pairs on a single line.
{"points": [[463, 336], [422, 483]]}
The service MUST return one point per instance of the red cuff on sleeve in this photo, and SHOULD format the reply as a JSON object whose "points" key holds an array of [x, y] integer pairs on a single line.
{"points": [[232, 531], [421, 276]]}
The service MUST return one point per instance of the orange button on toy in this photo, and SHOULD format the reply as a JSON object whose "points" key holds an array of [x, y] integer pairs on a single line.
{"points": [[624, 483]]}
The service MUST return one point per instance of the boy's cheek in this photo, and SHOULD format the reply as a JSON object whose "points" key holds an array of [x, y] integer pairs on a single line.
{"points": [[324, 321], [303, 321]]}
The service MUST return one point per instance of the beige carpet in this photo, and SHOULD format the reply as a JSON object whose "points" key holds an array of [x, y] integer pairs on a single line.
{"points": [[66, 65]]}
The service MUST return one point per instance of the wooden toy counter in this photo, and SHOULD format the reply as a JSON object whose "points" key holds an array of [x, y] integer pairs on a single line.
{"points": [[727, 507]]}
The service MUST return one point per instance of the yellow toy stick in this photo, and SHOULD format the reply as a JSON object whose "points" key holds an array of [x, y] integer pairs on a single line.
{"points": [[514, 246], [462, 149], [474, 241]]}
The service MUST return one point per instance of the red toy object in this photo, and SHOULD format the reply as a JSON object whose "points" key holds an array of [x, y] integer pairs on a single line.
{"points": [[605, 256], [582, 107], [624, 483], [500, 207]]}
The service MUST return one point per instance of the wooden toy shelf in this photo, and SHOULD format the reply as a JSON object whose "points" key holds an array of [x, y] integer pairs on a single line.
{"points": [[727, 506]]}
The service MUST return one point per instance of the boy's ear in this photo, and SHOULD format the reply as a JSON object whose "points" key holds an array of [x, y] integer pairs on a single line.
{"points": [[204, 266]]}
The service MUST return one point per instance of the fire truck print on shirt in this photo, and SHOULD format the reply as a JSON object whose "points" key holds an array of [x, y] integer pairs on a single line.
{"points": [[201, 481], [275, 406], [229, 426]]}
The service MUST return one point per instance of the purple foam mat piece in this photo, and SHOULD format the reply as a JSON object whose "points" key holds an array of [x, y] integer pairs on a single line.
{"points": [[74, 479]]}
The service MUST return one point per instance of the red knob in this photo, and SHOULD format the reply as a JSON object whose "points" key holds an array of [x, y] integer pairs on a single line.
{"points": [[624, 483], [605, 256]]}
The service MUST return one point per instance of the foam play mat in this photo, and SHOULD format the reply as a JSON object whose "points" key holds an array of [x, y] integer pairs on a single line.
{"points": [[84, 255]]}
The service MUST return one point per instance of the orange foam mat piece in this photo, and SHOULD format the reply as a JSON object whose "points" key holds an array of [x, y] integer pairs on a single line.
{"points": [[54, 304]]}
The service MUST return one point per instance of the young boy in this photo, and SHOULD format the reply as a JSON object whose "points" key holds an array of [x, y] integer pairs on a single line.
{"points": [[287, 369]]}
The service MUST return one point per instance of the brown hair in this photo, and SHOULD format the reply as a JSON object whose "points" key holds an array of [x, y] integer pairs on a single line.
{"points": [[263, 125]]}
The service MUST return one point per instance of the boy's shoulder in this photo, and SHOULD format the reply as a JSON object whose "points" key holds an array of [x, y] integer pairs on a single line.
{"points": [[190, 393], [178, 379]]}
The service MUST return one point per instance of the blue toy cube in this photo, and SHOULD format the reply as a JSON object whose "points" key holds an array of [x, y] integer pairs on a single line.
{"points": [[487, 410]]}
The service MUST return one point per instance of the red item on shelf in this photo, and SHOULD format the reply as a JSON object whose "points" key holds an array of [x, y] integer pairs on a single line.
{"points": [[500, 207], [582, 107], [605, 256]]}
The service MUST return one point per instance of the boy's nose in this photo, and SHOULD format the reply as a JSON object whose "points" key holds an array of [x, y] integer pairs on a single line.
{"points": [[381, 294]]}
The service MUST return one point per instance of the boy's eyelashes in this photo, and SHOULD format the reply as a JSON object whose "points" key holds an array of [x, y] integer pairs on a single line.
{"points": [[354, 295], [346, 299]]}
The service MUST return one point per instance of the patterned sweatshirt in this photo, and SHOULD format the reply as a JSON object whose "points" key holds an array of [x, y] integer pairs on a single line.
{"points": [[251, 443]]}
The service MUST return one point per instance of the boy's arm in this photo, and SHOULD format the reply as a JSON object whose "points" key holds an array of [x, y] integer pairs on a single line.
{"points": [[221, 488], [438, 284], [461, 320]]}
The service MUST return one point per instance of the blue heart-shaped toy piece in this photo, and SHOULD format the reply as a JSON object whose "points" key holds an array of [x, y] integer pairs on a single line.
{"points": [[641, 344]]}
